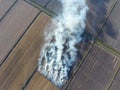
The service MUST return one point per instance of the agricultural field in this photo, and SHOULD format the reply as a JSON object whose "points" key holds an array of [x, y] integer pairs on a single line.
{"points": [[5, 6], [110, 33], [24, 58], [14, 24], [22, 27], [39, 82], [115, 85], [99, 12], [41, 2], [97, 71]]}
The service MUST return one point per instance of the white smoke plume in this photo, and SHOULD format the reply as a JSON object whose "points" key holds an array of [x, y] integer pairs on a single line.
{"points": [[59, 52]]}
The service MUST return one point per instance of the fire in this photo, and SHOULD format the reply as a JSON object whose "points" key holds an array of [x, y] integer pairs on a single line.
{"points": [[59, 52]]}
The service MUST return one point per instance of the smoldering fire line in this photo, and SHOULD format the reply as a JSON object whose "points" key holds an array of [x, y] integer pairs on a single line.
{"points": [[59, 52]]}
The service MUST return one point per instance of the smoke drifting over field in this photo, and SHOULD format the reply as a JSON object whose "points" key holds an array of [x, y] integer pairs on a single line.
{"points": [[59, 52]]}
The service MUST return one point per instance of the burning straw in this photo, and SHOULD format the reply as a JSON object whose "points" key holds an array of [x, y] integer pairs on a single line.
{"points": [[59, 52]]}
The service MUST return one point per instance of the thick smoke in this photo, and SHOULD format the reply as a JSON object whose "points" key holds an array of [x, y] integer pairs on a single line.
{"points": [[59, 52]]}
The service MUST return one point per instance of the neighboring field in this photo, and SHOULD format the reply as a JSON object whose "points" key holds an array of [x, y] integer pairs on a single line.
{"points": [[116, 83], [24, 59], [39, 82], [55, 6], [14, 25], [5, 5], [111, 30], [97, 72], [98, 13], [41, 2]]}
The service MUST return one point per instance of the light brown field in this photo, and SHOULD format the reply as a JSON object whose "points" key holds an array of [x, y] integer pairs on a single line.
{"points": [[39, 82], [23, 60], [14, 25]]}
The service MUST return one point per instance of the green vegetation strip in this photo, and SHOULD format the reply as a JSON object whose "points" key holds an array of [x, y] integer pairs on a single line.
{"points": [[40, 7], [108, 47]]}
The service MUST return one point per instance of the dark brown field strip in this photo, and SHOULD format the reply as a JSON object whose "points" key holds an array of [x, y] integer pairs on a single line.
{"points": [[111, 30], [5, 6], [116, 82], [39, 82], [14, 25], [23, 60], [97, 72]]}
